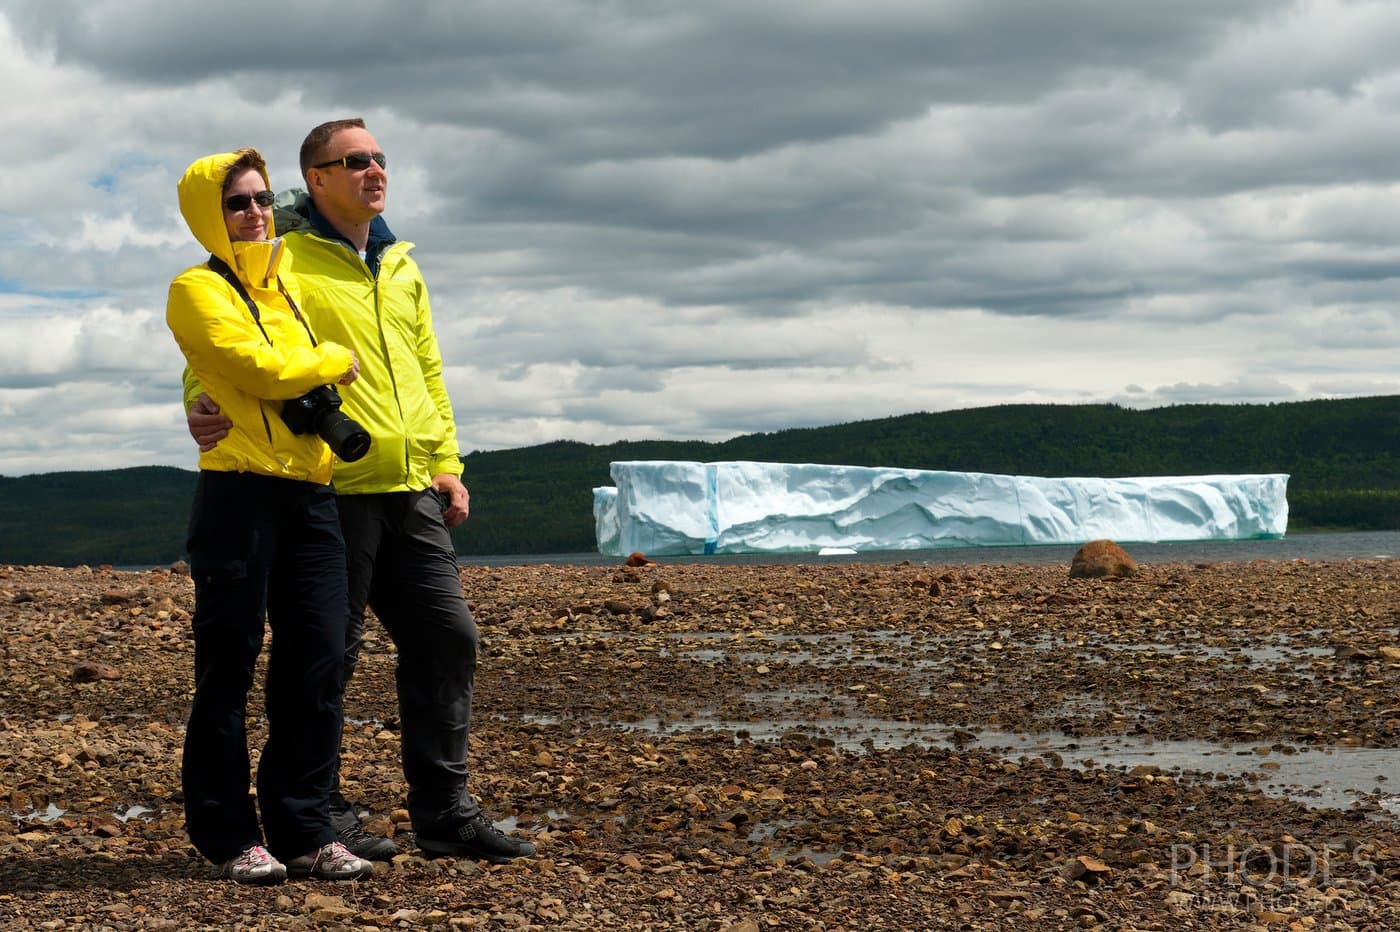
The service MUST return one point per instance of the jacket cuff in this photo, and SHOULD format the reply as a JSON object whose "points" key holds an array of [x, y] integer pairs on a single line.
{"points": [[450, 463]]}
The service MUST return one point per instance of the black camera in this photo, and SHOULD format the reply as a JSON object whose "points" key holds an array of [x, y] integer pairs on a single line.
{"points": [[318, 412]]}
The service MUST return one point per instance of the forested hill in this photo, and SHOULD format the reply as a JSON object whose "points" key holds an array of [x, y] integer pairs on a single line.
{"points": [[1343, 456]]}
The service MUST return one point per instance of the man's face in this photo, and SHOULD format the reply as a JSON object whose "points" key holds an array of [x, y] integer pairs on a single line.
{"points": [[343, 191]]}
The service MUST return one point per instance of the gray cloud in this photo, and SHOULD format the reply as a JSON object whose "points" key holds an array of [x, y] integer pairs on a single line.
{"points": [[641, 220], [632, 77]]}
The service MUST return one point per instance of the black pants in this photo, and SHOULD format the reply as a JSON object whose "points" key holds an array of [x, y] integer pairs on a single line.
{"points": [[402, 564], [264, 546]]}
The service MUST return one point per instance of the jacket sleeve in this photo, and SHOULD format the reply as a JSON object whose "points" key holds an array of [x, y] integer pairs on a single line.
{"points": [[215, 332], [446, 458], [193, 388]]}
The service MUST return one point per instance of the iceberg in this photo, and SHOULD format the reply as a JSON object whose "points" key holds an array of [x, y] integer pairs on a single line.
{"points": [[605, 520], [670, 508]]}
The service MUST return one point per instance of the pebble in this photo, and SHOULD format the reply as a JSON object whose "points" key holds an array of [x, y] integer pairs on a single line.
{"points": [[593, 736]]}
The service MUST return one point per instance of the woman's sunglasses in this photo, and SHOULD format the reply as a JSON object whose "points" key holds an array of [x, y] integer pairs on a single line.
{"points": [[357, 161], [244, 201]]}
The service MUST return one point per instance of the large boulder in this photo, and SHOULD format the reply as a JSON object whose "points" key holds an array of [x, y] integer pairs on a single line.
{"points": [[1101, 558]]}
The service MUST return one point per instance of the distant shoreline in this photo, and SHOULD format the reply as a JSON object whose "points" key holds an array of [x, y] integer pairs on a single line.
{"points": [[1309, 545]]}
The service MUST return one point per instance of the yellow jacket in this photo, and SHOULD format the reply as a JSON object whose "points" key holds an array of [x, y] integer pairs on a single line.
{"points": [[399, 398], [248, 374]]}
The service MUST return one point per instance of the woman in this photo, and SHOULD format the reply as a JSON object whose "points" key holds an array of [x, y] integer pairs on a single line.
{"points": [[264, 539]]}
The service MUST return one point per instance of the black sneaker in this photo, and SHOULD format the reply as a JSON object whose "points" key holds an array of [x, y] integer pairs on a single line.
{"points": [[459, 836], [362, 844]]}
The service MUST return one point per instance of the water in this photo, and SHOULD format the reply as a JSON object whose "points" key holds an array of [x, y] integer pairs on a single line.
{"points": [[1317, 546], [1345, 545], [123, 813], [1320, 777]]}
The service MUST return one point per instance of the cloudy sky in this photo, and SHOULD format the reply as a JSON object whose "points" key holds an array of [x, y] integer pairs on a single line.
{"points": [[642, 219]]}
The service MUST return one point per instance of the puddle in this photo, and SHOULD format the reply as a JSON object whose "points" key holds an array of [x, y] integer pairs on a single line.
{"points": [[903, 650], [888, 650], [1319, 777], [51, 814], [127, 813], [769, 834], [511, 822], [1270, 654]]}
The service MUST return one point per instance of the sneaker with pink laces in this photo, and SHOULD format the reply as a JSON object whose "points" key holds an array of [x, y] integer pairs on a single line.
{"points": [[330, 862], [254, 865]]}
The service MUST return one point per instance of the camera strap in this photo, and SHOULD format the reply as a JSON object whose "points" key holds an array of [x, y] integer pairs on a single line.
{"points": [[220, 266]]}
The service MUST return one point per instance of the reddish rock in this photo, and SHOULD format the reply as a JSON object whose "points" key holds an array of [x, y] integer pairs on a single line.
{"points": [[104, 826], [1101, 558], [90, 670], [638, 559]]}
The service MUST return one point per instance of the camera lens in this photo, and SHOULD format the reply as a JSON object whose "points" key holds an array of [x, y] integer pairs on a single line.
{"points": [[349, 440], [318, 412]]}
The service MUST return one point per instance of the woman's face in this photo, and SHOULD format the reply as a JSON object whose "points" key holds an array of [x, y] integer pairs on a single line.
{"points": [[249, 223]]}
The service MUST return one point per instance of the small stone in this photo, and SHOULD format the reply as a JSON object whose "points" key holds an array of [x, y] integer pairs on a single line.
{"points": [[90, 670], [334, 914], [315, 901]]}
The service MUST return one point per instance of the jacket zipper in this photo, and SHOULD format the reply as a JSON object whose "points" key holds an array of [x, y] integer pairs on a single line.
{"points": [[286, 466], [383, 343], [393, 379]]}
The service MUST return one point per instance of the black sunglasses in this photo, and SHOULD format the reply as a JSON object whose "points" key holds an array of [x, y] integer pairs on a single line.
{"points": [[357, 161], [244, 201]]}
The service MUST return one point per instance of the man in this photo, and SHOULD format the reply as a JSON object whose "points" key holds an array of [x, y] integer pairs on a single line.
{"points": [[360, 288]]}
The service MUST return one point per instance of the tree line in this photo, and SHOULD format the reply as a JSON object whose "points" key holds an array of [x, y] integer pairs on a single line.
{"points": [[1343, 457]]}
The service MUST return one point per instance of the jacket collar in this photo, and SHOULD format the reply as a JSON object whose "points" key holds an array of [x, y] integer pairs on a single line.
{"points": [[380, 236]]}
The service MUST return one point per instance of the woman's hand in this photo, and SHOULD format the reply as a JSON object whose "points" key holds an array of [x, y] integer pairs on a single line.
{"points": [[353, 373]]}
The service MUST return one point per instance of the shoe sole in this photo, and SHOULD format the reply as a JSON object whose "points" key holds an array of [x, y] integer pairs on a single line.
{"points": [[448, 849], [382, 852], [267, 881], [302, 874]]}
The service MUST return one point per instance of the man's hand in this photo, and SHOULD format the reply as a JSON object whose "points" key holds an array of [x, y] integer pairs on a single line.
{"points": [[451, 488], [207, 426]]}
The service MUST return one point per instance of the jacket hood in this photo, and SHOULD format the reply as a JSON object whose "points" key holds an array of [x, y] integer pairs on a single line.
{"points": [[201, 203], [291, 210]]}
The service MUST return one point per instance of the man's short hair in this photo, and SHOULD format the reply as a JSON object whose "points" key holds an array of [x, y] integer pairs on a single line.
{"points": [[313, 147], [247, 158]]}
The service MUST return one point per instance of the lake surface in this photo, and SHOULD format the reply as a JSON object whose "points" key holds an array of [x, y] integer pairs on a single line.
{"points": [[1348, 545]]}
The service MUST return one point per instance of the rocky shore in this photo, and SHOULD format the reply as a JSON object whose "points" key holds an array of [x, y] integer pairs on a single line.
{"points": [[747, 748]]}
